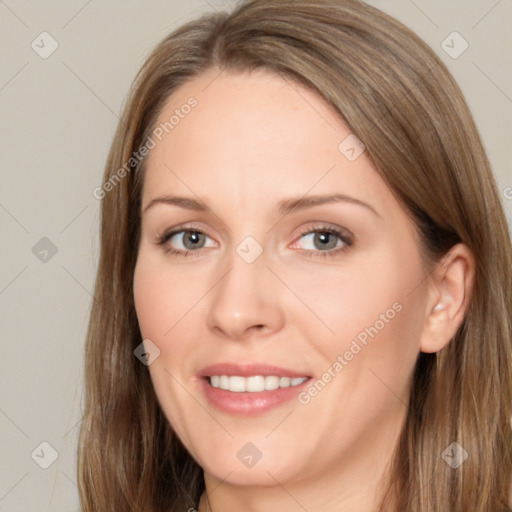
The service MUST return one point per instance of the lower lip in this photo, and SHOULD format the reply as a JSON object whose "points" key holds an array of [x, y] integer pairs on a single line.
{"points": [[247, 403]]}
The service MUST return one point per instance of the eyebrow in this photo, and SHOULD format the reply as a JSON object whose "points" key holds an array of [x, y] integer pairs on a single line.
{"points": [[284, 207], [290, 205], [183, 202]]}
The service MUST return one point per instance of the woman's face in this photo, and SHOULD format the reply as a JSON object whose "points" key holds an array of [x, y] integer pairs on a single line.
{"points": [[302, 285]]}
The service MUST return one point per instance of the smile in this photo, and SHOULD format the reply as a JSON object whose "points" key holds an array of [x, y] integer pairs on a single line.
{"points": [[253, 384], [249, 388]]}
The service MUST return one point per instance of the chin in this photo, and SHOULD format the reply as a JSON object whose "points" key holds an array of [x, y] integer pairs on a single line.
{"points": [[252, 468]]}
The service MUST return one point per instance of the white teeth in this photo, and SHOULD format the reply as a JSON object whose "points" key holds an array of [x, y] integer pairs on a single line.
{"points": [[237, 384], [271, 382], [255, 383], [284, 382]]}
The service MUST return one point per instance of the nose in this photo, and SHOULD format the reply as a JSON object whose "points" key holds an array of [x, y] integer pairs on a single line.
{"points": [[245, 302]]}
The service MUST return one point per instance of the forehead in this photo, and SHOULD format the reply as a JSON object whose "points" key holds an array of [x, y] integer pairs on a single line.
{"points": [[254, 135]]}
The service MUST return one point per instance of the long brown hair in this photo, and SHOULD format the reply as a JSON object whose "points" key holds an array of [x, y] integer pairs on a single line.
{"points": [[398, 98]]}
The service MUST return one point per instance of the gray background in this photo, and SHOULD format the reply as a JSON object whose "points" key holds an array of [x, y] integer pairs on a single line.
{"points": [[58, 115]]}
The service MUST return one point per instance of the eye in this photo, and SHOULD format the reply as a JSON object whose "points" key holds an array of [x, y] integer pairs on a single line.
{"points": [[318, 241], [325, 241], [185, 241]]}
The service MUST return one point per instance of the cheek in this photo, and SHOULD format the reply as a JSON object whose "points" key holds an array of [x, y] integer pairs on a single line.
{"points": [[162, 298], [371, 299], [151, 302], [161, 308], [377, 318], [381, 325], [167, 303]]}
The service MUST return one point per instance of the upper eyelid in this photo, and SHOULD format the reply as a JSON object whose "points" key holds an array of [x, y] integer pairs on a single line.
{"points": [[322, 226]]}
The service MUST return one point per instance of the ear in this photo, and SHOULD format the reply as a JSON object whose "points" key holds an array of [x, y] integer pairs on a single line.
{"points": [[451, 285]]}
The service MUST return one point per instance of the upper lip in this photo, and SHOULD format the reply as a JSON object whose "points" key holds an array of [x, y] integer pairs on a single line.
{"points": [[248, 370]]}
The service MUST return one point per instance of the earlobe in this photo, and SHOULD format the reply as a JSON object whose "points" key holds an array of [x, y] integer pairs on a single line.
{"points": [[450, 293]]}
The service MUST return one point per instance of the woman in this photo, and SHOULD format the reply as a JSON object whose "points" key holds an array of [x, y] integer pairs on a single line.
{"points": [[303, 294]]}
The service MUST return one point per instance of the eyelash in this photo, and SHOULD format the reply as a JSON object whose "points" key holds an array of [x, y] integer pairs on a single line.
{"points": [[346, 238]]}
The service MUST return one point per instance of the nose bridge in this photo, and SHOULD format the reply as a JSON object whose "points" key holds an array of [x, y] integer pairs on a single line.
{"points": [[245, 298]]}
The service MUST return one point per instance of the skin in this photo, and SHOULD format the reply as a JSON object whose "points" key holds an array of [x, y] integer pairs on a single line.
{"points": [[253, 140]]}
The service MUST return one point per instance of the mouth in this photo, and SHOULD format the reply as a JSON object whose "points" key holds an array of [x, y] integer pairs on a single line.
{"points": [[254, 383], [249, 389]]}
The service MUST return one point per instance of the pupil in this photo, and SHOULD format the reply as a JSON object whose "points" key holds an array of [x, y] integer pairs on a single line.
{"points": [[193, 238], [324, 239]]}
